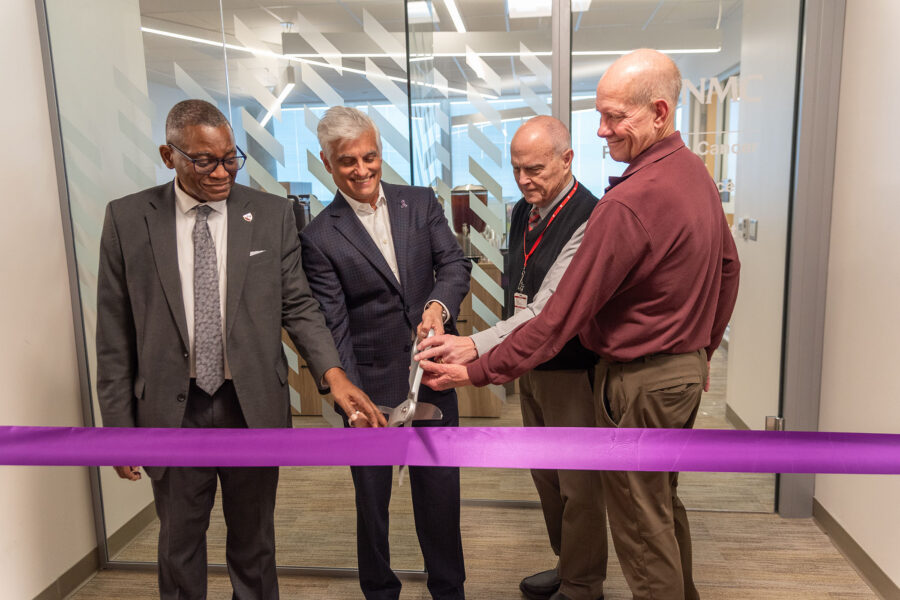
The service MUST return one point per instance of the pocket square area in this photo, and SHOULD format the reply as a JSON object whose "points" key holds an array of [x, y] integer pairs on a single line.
{"points": [[255, 252]]}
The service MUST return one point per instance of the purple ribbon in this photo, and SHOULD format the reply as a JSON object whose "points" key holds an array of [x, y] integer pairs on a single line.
{"points": [[497, 447]]}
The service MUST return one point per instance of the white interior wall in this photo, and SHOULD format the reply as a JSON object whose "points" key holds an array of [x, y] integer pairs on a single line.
{"points": [[768, 49], [695, 66], [46, 523], [860, 389]]}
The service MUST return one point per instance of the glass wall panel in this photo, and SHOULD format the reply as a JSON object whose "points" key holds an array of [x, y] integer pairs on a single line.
{"points": [[273, 77], [115, 82], [484, 69], [309, 57]]}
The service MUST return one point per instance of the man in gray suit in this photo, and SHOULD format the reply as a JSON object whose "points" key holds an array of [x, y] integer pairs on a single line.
{"points": [[197, 277]]}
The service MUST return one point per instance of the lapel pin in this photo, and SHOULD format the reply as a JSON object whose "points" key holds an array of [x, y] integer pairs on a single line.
{"points": [[248, 217], [402, 203]]}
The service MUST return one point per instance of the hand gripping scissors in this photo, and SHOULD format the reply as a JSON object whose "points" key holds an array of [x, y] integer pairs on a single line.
{"points": [[411, 409]]}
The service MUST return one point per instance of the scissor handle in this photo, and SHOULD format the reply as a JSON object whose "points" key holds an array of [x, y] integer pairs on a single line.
{"points": [[417, 378]]}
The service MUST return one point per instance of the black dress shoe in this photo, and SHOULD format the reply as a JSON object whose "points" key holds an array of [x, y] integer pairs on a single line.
{"points": [[540, 586]]}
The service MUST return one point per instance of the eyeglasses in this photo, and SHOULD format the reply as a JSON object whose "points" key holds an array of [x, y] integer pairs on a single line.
{"points": [[206, 164]]}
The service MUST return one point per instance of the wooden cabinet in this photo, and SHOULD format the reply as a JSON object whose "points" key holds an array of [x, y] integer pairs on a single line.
{"points": [[483, 401], [302, 383]]}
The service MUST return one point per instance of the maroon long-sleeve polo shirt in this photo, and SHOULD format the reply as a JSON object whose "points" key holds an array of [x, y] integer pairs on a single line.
{"points": [[657, 272]]}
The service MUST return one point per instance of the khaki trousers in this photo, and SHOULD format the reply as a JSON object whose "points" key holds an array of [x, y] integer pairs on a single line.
{"points": [[648, 522], [572, 501]]}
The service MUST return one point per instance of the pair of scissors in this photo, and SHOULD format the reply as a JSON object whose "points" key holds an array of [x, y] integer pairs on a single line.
{"points": [[411, 409]]}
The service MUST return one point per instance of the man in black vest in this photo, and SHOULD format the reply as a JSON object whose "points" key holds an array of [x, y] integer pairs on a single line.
{"points": [[546, 228]]}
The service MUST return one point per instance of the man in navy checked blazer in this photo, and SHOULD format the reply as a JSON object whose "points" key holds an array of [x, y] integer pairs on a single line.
{"points": [[384, 265]]}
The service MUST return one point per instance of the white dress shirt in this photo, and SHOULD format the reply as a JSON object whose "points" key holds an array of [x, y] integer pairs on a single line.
{"points": [[185, 218], [376, 221]]}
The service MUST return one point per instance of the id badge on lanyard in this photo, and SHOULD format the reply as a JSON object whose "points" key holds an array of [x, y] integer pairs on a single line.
{"points": [[520, 302], [520, 298]]}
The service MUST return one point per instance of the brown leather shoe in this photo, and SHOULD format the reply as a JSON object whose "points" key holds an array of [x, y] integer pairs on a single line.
{"points": [[561, 596], [540, 586]]}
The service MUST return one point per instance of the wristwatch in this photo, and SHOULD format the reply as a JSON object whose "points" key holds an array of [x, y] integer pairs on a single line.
{"points": [[444, 315]]}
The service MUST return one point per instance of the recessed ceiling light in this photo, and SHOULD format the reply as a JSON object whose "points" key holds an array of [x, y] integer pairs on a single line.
{"points": [[420, 12], [523, 9]]}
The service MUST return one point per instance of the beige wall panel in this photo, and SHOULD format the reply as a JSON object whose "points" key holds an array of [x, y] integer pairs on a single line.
{"points": [[860, 388]]}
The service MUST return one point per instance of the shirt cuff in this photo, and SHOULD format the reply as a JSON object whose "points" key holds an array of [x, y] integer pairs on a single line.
{"points": [[484, 341], [445, 314], [476, 372]]}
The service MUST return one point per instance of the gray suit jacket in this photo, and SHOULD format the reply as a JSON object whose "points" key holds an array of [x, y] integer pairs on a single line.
{"points": [[143, 365]]}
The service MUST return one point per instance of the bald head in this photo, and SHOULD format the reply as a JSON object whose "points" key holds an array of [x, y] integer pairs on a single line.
{"points": [[636, 99], [644, 75], [541, 156], [544, 131]]}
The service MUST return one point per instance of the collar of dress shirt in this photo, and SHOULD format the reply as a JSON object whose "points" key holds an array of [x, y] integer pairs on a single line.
{"points": [[186, 202], [562, 194], [364, 208]]}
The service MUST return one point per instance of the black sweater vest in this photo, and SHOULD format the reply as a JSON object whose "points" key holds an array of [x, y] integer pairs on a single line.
{"points": [[570, 217]]}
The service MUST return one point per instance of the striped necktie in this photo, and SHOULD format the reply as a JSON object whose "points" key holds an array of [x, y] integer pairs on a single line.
{"points": [[534, 217]]}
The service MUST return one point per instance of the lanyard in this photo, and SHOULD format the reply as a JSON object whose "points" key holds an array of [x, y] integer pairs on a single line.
{"points": [[537, 242]]}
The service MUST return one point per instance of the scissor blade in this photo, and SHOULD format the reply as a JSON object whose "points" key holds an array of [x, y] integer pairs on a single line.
{"points": [[425, 411]]}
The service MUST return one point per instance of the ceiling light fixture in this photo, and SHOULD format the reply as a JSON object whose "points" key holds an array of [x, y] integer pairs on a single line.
{"points": [[523, 9], [664, 51], [450, 5], [419, 58], [305, 58], [420, 12], [293, 58]]}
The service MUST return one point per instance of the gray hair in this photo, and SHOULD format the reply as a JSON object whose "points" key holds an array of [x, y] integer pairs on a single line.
{"points": [[192, 112], [344, 123]]}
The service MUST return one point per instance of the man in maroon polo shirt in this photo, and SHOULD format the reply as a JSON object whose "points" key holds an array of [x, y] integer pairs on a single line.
{"points": [[650, 290]]}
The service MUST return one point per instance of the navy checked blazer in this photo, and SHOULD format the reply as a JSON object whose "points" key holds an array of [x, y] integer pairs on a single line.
{"points": [[372, 316]]}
